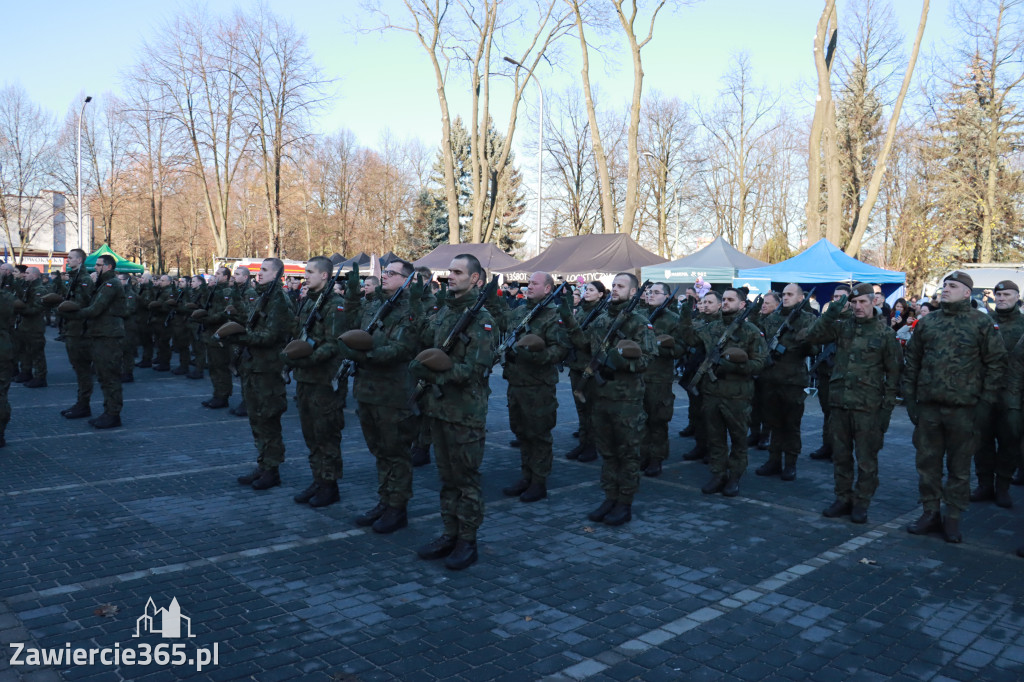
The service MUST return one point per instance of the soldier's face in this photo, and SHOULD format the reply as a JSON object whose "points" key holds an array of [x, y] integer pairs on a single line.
{"points": [[621, 289], [863, 307], [164, 282], [315, 279], [656, 295], [74, 260], [537, 288], [267, 273], [241, 276], [591, 293], [1006, 299], [731, 303], [711, 304], [769, 305], [792, 295], [459, 279], [953, 291]]}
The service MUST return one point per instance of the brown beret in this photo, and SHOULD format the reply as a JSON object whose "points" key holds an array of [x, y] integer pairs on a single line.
{"points": [[357, 339], [629, 349], [154, 305], [862, 289], [1006, 285], [666, 341], [51, 299], [531, 342], [961, 277], [19, 304], [229, 329], [435, 360], [68, 307], [200, 314], [735, 354], [298, 349]]}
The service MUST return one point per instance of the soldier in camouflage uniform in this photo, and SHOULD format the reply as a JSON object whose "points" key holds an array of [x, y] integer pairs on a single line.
{"points": [[821, 368], [245, 295], [726, 401], [201, 294], [105, 330], [578, 359], [314, 369], [783, 381], [455, 402], [428, 306], [532, 375], [382, 387], [7, 299], [953, 374], [260, 368], [160, 308], [210, 319], [31, 329], [999, 438], [659, 399], [143, 321], [864, 383], [131, 336], [618, 396], [180, 338], [760, 432], [76, 343], [709, 308]]}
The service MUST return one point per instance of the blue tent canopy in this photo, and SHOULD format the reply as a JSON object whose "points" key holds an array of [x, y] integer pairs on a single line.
{"points": [[823, 262]]}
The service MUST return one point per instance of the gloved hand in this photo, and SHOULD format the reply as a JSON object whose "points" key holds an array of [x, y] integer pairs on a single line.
{"points": [[295, 362], [442, 295], [728, 367], [835, 309], [417, 289], [352, 288], [565, 312], [420, 371], [349, 353], [912, 411], [614, 360], [493, 299]]}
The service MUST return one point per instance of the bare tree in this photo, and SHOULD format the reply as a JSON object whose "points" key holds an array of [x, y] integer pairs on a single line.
{"points": [[568, 147], [823, 128], [106, 140], [665, 135]]}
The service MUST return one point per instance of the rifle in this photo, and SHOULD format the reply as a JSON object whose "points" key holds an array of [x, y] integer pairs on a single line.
{"points": [[714, 355], [68, 294], [664, 304], [206, 306], [458, 332], [601, 355], [774, 347], [375, 323], [591, 316], [23, 298], [250, 323], [510, 340], [174, 310], [824, 357]]}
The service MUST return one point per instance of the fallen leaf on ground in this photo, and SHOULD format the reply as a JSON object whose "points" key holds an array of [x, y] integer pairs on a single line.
{"points": [[106, 610]]}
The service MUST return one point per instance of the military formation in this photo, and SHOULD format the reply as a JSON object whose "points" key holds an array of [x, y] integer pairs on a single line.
{"points": [[420, 356]]}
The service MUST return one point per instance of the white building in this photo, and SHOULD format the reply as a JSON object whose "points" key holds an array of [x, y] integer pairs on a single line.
{"points": [[48, 220]]}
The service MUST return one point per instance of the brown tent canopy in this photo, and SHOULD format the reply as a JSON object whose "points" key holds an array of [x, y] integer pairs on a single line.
{"points": [[591, 256], [489, 255]]}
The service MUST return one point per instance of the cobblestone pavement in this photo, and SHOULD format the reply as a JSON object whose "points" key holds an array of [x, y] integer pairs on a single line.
{"points": [[695, 588]]}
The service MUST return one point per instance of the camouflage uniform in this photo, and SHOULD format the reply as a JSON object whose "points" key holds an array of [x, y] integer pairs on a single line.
{"points": [[954, 370], [160, 326], [219, 356], [319, 415], [131, 335], [180, 340], [823, 367], [693, 357], [260, 367], [618, 397], [862, 392], [144, 324], [577, 361], [105, 328], [195, 337], [659, 399], [726, 402], [31, 331], [782, 383], [532, 378], [457, 411], [999, 437], [78, 346]]}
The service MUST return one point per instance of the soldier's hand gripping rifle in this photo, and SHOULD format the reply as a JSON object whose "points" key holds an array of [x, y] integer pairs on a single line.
{"points": [[714, 354], [174, 308], [508, 343], [776, 349], [69, 293], [457, 333], [610, 339], [294, 346], [591, 316], [250, 323]]}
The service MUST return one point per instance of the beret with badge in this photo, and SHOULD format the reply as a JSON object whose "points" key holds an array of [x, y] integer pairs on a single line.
{"points": [[961, 277]]}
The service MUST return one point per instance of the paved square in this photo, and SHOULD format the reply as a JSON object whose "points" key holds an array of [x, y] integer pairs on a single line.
{"points": [[695, 587]]}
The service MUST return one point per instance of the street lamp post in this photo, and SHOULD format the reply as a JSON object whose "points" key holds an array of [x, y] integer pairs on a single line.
{"points": [[540, 150], [78, 197]]}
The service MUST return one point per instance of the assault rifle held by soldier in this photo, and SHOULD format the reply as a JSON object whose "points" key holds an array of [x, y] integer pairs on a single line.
{"points": [[606, 344], [714, 354], [250, 323], [656, 313], [512, 338], [776, 349]]}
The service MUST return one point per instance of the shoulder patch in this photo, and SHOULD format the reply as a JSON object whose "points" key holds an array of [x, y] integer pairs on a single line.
{"points": [[109, 284], [650, 326], [487, 327], [341, 308]]}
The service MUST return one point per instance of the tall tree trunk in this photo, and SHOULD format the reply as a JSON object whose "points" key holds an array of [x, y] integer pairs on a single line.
{"points": [[824, 129]]}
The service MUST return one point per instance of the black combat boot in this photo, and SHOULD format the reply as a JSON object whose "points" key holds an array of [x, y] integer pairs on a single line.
{"points": [[984, 492], [36, 383], [773, 467], [928, 522], [789, 470], [1003, 498], [248, 478], [162, 368], [370, 517], [106, 421], [195, 374], [695, 454], [689, 431], [951, 529], [463, 555], [420, 455], [575, 452], [438, 548], [144, 364], [715, 484], [859, 514], [538, 490], [269, 478], [1018, 476], [240, 411], [621, 513], [653, 468], [516, 489], [77, 411], [22, 377], [589, 453], [837, 509], [602, 511], [391, 520], [326, 494], [732, 486], [823, 453], [179, 371], [216, 403], [307, 494]]}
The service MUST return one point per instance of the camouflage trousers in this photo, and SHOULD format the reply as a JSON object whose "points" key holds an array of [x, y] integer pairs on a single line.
{"points": [[695, 413], [584, 411], [106, 358], [945, 435], [423, 438], [389, 433], [459, 452], [726, 421], [162, 342], [128, 345], [998, 449], [827, 436], [265, 401], [857, 432], [782, 408], [757, 425], [220, 376], [532, 414], [79, 350], [199, 357], [322, 422], [618, 433], [145, 341], [180, 344], [32, 354], [659, 402]]}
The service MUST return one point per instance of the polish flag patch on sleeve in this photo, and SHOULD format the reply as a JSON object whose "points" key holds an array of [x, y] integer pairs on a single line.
{"points": [[341, 308], [650, 326], [487, 327]]}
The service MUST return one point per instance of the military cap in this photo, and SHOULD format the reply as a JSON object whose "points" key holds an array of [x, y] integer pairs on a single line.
{"points": [[629, 349], [666, 341], [357, 339], [435, 359], [52, 299], [862, 289], [531, 342], [1006, 285], [298, 349], [961, 277], [735, 355]]}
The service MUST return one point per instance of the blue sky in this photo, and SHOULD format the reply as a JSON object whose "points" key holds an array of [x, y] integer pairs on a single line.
{"points": [[385, 81]]}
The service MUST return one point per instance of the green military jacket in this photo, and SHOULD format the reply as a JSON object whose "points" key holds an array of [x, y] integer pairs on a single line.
{"points": [[526, 368], [626, 383], [142, 300], [663, 363], [269, 333], [736, 380], [1010, 325], [158, 315], [30, 318], [131, 303], [579, 352], [328, 325], [105, 312], [954, 358], [82, 295], [465, 388], [868, 361], [223, 295], [383, 377], [788, 368]]}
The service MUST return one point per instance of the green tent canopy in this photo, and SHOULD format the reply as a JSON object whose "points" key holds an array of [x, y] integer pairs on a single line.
{"points": [[123, 265]]}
